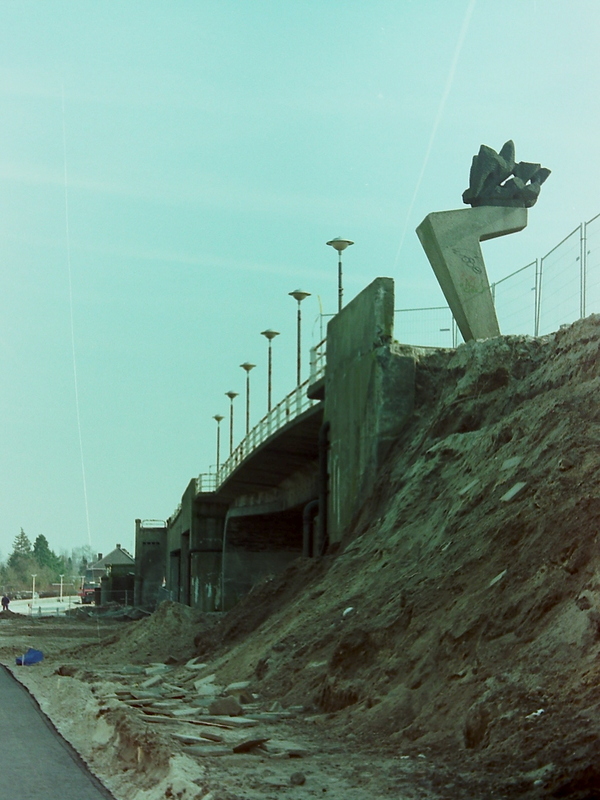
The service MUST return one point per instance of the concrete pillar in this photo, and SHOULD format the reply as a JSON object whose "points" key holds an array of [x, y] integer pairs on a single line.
{"points": [[174, 575], [150, 563], [206, 554], [105, 587], [184, 586], [369, 396], [451, 240]]}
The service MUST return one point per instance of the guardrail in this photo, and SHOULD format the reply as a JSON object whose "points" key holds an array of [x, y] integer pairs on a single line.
{"points": [[292, 405], [318, 361], [206, 482]]}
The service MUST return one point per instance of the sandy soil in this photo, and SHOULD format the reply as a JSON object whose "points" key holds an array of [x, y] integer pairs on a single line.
{"points": [[450, 647], [146, 732]]}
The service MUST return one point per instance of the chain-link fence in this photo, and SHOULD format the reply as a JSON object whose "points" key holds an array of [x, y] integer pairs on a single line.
{"points": [[559, 284], [557, 289], [515, 300], [426, 327], [591, 249]]}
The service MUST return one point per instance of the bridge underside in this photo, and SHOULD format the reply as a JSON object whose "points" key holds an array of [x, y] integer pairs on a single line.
{"points": [[221, 543], [278, 458], [257, 547]]}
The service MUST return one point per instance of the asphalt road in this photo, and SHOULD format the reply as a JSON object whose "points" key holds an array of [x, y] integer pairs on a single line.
{"points": [[36, 763]]}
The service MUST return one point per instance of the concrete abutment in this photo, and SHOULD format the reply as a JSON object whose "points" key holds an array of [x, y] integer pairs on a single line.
{"points": [[298, 491]]}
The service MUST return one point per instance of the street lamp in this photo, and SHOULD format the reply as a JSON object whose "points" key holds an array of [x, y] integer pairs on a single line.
{"points": [[299, 295], [218, 417], [247, 366], [270, 336], [340, 244], [34, 576], [231, 396]]}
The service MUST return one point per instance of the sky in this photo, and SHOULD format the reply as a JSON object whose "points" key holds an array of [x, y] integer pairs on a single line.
{"points": [[170, 171]]}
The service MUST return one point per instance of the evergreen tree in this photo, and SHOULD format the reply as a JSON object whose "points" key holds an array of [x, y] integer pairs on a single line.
{"points": [[42, 553], [21, 562], [21, 551]]}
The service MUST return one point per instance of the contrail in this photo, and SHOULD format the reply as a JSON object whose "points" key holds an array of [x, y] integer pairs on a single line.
{"points": [[68, 244], [459, 44]]}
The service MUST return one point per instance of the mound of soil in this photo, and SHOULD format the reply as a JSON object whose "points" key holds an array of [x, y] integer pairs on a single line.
{"points": [[461, 616], [168, 634]]}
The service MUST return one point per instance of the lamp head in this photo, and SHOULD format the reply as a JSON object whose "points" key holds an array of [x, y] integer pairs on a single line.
{"points": [[270, 334], [340, 244], [231, 395], [218, 417], [247, 366], [299, 295]]}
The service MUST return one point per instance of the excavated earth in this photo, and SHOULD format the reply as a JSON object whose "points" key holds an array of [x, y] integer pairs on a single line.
{"points": [[448, 648]]}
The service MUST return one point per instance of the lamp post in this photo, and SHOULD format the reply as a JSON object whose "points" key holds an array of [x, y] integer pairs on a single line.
{"points": [[231, 396], [270, 335], [219, 418], [34, 576], [299, 295], [247, 366], [61, 587], [340, 244]]}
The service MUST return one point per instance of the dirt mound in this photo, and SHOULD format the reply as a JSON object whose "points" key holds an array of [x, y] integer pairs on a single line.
{"points": [[168, 634], [273, 592], [461, 617]]}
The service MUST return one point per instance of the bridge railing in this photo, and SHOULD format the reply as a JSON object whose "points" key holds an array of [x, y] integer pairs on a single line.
{"points": [[318, 360], [292, 405], [206, 482]]}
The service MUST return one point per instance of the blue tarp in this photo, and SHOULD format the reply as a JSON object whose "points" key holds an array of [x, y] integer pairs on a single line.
{"points": [[31, 657]]}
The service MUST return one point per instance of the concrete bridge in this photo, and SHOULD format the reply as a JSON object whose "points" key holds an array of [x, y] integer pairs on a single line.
{"points": [[294, 483], [285, 418]]}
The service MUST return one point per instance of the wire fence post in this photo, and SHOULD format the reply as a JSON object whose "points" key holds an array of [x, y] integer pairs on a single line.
{"points": [[539, 264], [582, 268]]}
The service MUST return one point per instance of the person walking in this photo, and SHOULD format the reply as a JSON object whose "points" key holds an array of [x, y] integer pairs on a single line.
{"points": [[5, 602]]}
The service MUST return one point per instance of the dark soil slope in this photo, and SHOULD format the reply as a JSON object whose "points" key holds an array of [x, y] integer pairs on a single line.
{"points": [[460, 618]]}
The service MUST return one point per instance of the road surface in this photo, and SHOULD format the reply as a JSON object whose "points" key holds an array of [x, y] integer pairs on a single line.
{"points": [[44, 606], [36, 763]]}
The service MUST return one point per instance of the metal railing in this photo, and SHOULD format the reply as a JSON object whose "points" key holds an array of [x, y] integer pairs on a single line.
{"points": [[206, 482], [292, 405], [318, 360]]}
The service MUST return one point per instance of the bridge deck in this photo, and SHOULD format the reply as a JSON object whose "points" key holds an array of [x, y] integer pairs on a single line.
{"points": [[278, 457]]}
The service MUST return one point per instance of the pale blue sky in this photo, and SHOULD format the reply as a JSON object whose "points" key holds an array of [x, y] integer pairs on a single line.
{"points": [[212, 148]]}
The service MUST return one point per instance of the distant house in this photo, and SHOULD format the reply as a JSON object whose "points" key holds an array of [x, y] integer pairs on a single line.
{"points": [[116, 569], [119, 557]]}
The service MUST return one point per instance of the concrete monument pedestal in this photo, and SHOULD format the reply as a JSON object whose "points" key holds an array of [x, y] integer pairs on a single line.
{"points": [[451, 240]]}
